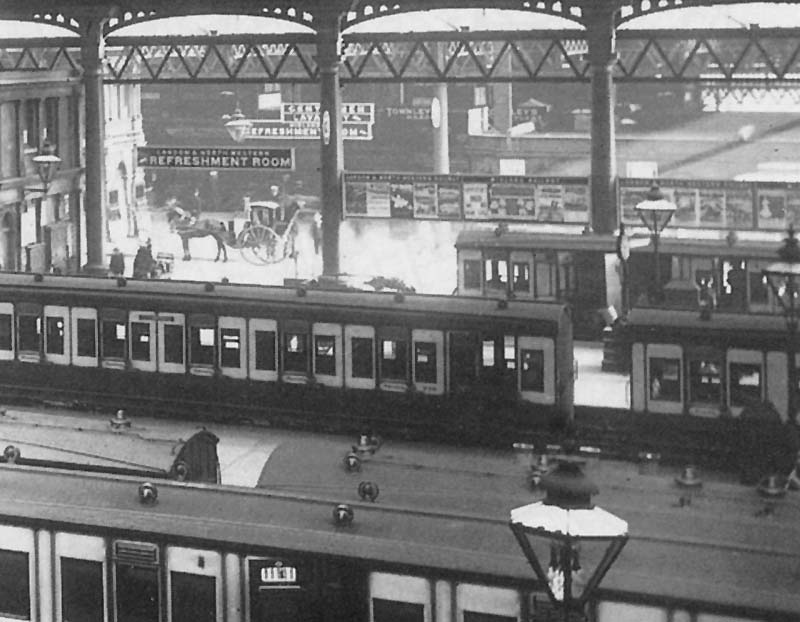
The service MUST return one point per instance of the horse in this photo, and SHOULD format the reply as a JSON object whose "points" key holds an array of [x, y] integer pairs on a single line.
{"points": [[182, 223]]}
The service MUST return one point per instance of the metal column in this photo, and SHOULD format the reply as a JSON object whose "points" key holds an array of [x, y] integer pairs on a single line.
{"points": [[332, 152], [603, 175], [93, 199], [441, 131]]}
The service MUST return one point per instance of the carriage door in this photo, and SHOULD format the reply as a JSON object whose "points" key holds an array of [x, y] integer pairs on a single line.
{"points": [[262, 349], [522, 274], [29, 332], [470, 272], [327, 352], [143, 340], [194, 585], [463, 361], [428, 361], [232, 356], [84, 337], [137, 582], [56, 334], [18, 591], [202, 335], [705, 382], [6, 331], [80, 578], [279, 589], [171, 349]]}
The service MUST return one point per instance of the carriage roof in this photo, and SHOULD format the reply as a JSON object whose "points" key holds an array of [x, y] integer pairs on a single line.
{"points": [[188, 291], [528, 240], [98, 448]]}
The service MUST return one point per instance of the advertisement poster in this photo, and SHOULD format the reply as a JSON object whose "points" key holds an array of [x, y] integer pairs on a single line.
{"points": [[771, 208], [739, 208], [424, 200], [793, 205], [576, 202], [378, 204], [630, 196], [685, 200], [550, 203], [476, 201], [712, 207], [449, 200], [401, 200], [512, 197], [355, 198]]}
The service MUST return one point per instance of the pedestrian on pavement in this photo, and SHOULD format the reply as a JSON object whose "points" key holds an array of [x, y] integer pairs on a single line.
{"points": [[116, 266], [143, 263]]}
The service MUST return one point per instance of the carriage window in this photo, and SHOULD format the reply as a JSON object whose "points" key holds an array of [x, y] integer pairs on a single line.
{"points": [[29, 333], [87, 337], [325, 355], [140, 341], [5, 332], [203, 342], [532, 374], [665, 379], [265, 350], [496, 273], [396, 611], [522, 277], [55, 335], [295, 352], [193, 598], [425, 362], [231, 342], [15, 599], [81, 590], [394, 354], [114, 335], [488, 352], [759, 288], [472, 274], [510, 352], [745, 379], [362, 357], [704, 381], [173, 343], [137, 597]]}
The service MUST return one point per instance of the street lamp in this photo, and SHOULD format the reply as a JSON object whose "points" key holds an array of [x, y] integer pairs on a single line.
{"points": [[572, 535], [655, 212], [783, 278], [238, 126], [47, 163]]}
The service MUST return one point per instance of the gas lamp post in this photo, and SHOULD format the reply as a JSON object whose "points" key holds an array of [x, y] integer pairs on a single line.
{"points": [[571, 535], [783, 278], [238, 125], [656, 211], [47, 163]]}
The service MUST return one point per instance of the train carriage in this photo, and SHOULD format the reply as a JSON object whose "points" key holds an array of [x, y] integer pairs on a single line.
{"points": [[433, 365], [94, 548], [722, 378]]}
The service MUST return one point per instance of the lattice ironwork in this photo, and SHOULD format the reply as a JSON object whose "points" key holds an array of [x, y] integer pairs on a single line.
{"points": [[707, 56]]}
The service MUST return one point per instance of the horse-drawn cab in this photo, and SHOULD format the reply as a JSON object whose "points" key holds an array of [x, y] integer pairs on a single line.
{"points": [[270, 227]]}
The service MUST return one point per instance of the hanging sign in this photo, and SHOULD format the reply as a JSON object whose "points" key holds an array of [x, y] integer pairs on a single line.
{"points": [[228, 158]]}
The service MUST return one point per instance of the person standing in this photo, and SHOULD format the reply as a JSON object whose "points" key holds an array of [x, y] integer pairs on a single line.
{"points": [[116, 266]]}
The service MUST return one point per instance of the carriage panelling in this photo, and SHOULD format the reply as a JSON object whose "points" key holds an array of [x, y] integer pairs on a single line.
{"points": [[232, 346], [194, 585], [427, 361], [202, 342], [114, 338], [262, 349], [142, 340]]}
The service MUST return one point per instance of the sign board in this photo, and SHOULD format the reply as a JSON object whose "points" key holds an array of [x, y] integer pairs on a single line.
{"points": [[302, 130], [466, 197], [229, 158]]}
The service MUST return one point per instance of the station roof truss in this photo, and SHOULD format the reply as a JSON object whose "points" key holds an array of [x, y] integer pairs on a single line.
{"points": [[704, 56]]}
